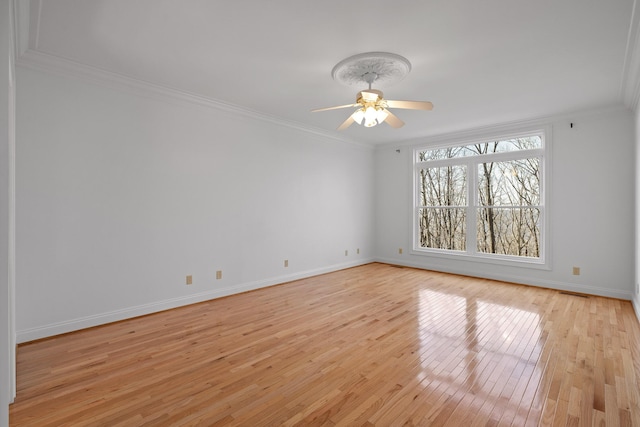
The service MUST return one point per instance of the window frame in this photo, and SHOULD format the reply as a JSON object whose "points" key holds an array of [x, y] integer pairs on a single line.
{"points": [[471, 163]]}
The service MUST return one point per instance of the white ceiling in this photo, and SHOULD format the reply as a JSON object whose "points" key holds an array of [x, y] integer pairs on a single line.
{"points": [[480, 62]]}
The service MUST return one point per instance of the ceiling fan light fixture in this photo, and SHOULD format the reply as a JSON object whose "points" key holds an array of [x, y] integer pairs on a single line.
{"points": [[370, 116], [381, 115]]}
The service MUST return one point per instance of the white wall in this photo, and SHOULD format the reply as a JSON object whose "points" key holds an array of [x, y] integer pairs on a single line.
{"points": [[591, 212], [121, 195], [7, 347], [636, 298]]}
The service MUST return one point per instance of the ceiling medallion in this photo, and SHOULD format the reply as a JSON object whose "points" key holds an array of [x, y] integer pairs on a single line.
{"points": [[381, 67]]}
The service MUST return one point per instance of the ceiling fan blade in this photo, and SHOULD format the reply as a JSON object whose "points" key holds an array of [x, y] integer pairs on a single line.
{"points": [[410, 105], [393, 120], [347, 122], [334, 108]]}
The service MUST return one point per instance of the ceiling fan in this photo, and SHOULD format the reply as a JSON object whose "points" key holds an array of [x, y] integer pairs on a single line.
{"points": [[372, 108]]}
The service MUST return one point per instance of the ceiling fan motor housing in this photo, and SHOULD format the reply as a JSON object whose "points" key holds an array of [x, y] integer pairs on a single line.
{"points": [[369, 96]]}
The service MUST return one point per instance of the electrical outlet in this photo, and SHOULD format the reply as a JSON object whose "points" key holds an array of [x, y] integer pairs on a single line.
{"points": [[189, 279], [358, 251], [400, 251], [576, 271], [219, 274], [346, 252], [286, 263]]}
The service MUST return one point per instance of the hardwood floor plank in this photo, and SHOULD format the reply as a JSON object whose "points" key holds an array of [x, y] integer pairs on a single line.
{"points": [[374, 345]]}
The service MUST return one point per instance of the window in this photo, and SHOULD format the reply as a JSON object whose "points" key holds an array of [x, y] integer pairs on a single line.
{"points": [[483, 200]]}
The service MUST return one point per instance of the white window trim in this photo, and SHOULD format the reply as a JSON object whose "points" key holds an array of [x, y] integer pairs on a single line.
{"points": [[544, 261]]}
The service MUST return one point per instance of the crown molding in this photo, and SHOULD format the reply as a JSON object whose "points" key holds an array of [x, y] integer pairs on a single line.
{"points": [[630, 82], [33, 59]]}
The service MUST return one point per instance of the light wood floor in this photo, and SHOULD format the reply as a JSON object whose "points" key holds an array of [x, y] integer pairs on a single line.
{"points": [[373, 345]]}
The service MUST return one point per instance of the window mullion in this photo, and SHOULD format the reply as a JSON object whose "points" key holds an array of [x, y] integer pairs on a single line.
{"points": [[472, 212]]}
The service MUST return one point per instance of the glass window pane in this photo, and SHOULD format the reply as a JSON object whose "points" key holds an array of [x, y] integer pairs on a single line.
{"points": [[443, 186], [512, 183], [442, 228], [514, 144], [488, 147], [445, 153], [509, 231]]}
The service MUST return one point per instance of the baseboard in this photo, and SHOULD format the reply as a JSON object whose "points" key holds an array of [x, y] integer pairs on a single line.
{"points": [[636, 306], [71, 325], [523, 280]]}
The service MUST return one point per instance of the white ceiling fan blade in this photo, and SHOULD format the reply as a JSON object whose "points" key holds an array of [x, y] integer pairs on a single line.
{"points": [[348, 122], [334, 108], [410, 105], [392, 120]]}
